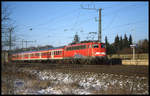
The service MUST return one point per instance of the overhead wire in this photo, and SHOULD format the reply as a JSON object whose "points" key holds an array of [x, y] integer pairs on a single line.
{"points": [[49, 21], [75, 24], [116, 12], [53, 19], [84, 21], [119, 10], [128, 24], [111, 22]]}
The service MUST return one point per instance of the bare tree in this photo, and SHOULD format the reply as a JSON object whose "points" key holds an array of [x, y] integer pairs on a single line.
{"points": [[8, 28]]}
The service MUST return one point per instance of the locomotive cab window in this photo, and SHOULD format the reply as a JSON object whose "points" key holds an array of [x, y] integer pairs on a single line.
{"points": [[95, 46], [102, 45]]}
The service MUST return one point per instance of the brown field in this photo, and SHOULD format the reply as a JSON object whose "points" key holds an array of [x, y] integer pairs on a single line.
{"points": [[12, 71]]}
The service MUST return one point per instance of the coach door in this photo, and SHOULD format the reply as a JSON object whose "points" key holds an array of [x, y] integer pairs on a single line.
{"points": [[52, 54]]}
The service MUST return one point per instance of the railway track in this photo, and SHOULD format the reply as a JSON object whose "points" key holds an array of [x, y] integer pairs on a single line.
{"points": [[69, 63], [112, 69]]}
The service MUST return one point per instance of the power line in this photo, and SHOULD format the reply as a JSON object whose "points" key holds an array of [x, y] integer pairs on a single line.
{"points": [[111, 22], [49, 21], [126, 24], [76, 20], [56, 18], [120, 9], [84, 21]]}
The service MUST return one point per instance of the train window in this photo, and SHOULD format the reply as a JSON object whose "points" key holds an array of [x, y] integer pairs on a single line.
{"points": [[82, 47], [95, 46], [68, 48], [89, 46], [33, 54], [37, 54], [43, 54], [73, 48], [102, 45], [78, 47], [60, 52], [25, 55], [47, 53]]}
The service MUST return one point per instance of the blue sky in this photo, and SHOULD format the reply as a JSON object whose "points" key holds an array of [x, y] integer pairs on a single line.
{"points": [[55, 23]]}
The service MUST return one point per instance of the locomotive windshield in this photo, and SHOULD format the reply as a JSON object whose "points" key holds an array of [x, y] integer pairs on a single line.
{"points": [[102, 45], [95, 46]]}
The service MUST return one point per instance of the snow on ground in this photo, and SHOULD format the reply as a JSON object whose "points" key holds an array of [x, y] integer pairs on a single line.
{"points": [[88, 83]]}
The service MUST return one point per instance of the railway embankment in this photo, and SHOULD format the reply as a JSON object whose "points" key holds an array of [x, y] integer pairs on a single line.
{"points": [[127, 59], [135, 62]]}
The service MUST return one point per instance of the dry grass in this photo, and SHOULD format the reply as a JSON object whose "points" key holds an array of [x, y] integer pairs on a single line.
{"points": [[34, 83]]}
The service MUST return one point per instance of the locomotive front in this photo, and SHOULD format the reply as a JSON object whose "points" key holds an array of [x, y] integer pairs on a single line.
{"points": [[99, 50]]}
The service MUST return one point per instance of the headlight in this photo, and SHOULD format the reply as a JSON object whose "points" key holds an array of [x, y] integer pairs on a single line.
{"points": [[100, 53]]}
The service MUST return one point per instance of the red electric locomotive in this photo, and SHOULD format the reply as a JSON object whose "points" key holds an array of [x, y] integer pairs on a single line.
{"points": [[81, 50]]}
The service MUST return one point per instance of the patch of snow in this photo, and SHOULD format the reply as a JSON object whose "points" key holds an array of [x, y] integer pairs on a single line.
{"points": [[88, 80]]}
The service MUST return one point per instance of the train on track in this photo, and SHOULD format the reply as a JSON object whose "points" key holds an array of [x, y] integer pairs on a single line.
{"points": [[86, 51]]}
